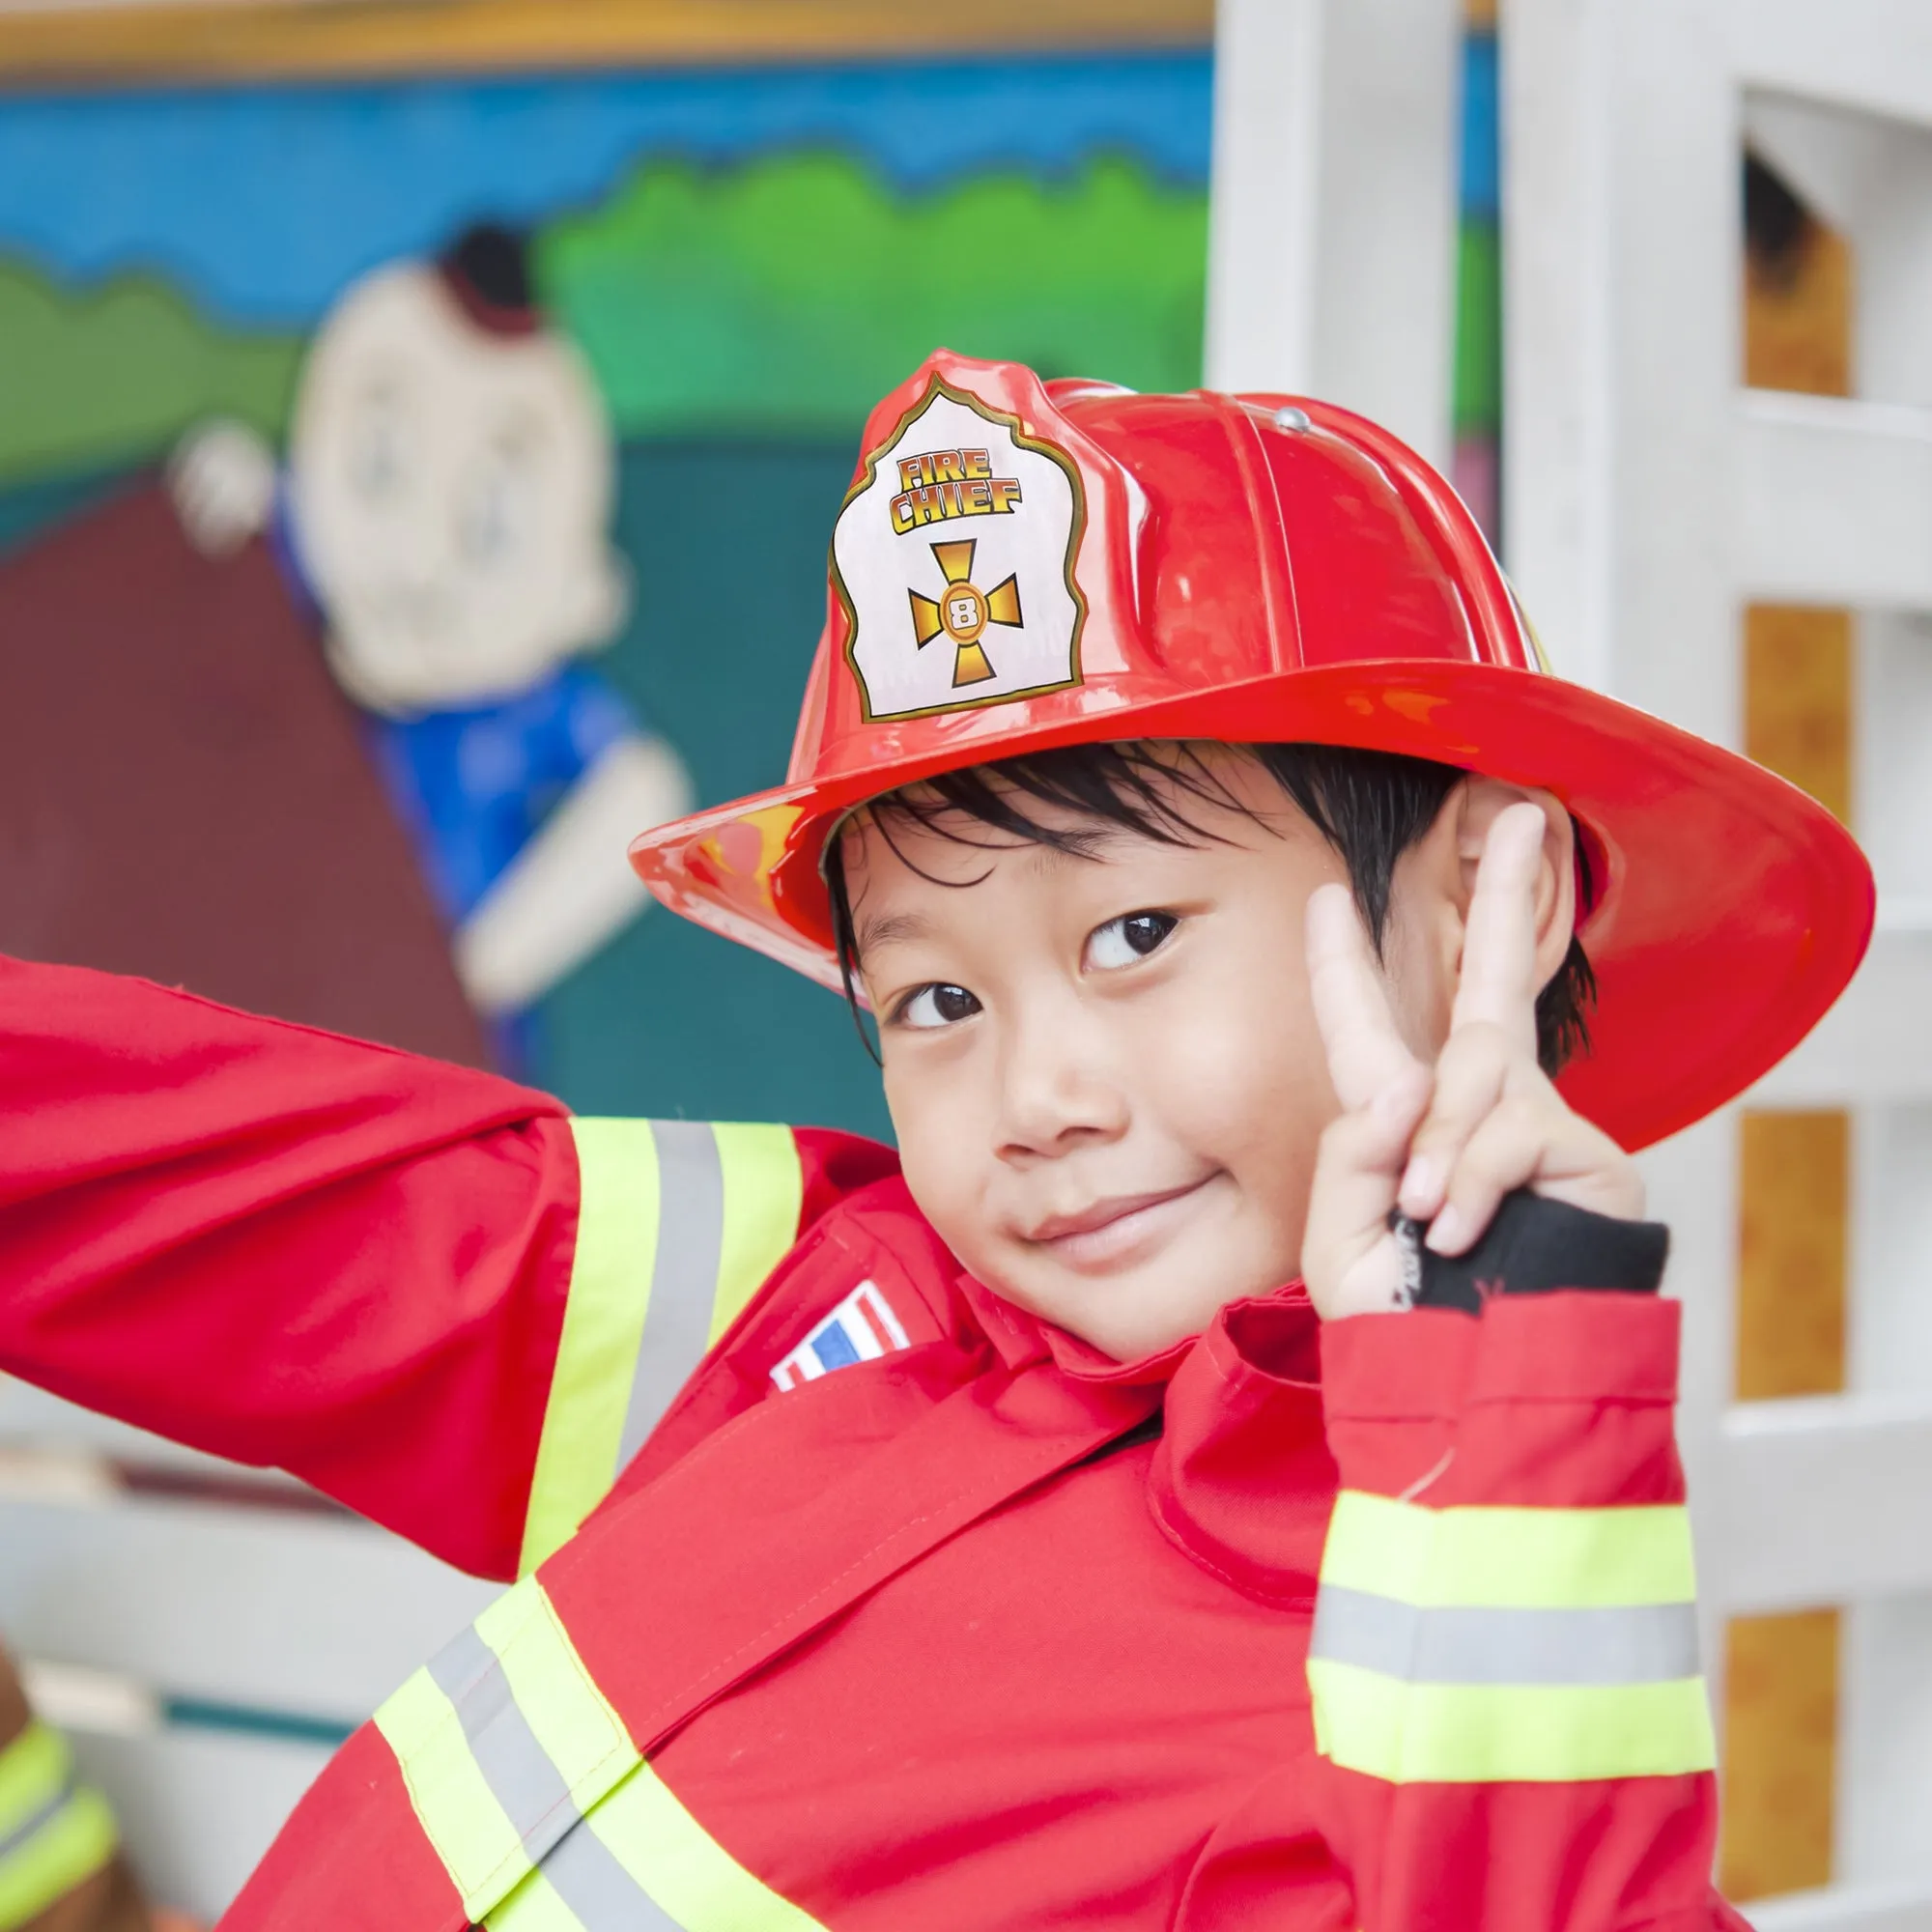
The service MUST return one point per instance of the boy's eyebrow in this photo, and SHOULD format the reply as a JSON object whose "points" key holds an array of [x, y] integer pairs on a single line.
{"points": [[1094, 845], [888, 929]]}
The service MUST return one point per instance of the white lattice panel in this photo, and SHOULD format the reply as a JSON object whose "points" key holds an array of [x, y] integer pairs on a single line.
{"points": [[1649, 498]]}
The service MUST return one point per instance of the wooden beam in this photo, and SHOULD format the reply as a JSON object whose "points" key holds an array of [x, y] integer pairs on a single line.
{"points": [[255, 40]]}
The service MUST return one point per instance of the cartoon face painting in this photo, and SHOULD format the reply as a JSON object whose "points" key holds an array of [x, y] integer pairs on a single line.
{"points": [[445, 513], [450, 488]]}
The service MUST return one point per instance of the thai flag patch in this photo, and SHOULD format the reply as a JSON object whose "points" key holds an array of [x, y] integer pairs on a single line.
{"points": [[861, 1328]]}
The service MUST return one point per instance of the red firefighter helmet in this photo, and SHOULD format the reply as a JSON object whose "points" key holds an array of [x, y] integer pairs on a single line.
{"points": [[1022, 564]]}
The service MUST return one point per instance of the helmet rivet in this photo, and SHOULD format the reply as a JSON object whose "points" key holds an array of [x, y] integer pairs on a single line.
{"points": [[1292, 419]]}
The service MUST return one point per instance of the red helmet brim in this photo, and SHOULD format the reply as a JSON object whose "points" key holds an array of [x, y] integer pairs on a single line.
{"points": [[1731, 909]]}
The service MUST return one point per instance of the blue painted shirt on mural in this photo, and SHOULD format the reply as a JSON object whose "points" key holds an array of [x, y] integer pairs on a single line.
{"points": [[473, 785]]}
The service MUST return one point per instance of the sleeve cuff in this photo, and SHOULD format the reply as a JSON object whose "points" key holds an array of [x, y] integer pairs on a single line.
{"points": [[1561, 1399], [1536, 1246]]}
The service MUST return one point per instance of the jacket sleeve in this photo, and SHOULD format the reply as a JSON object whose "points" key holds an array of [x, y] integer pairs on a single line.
{"points": [[425, 1289], [1512, 1730]]}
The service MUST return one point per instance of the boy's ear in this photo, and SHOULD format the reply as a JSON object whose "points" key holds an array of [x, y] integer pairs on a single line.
{"points": [[1473, 807]]}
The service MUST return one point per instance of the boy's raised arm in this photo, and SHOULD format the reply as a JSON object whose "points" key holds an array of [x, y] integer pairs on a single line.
{"points": [[284, 1247], [421, 1288], [1513, 1731]]}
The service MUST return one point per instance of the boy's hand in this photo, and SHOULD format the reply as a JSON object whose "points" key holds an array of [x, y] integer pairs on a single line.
{"points": [[1442, 1144]]}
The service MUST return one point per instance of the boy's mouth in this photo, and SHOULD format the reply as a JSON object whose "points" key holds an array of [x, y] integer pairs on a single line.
{"points": [[1106, 1232]]}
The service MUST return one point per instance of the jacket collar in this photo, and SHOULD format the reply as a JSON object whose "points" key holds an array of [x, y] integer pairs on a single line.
{"points": [[1242, 1481], [1020, 1339]]}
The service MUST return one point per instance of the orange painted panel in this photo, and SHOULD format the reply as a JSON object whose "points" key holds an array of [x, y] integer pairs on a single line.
{"points": [[1780, 1753], [1799, 666], [1798, 316], [1794, 1186]]}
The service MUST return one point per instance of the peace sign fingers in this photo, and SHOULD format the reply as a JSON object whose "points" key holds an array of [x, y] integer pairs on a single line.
{"points": [[1491, 1051], [1496, 1122], [1443, 1144], [1497, 986], [1350, 1259], [1358, 1031]]}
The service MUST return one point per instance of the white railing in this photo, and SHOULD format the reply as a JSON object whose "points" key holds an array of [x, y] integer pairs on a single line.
{"points": [[205, 1634]]}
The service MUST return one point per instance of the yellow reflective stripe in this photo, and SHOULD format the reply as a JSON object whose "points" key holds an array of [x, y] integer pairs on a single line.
{"points": [[460, 1816], [1485, 1733], [603, 1327], [533, 1907], [73, 1844], [53, 1833], [505, 1742], [684, 1869], [716, 1227], [1532, 1559], [572, 1721], [764, 1193], [35, 1768]]}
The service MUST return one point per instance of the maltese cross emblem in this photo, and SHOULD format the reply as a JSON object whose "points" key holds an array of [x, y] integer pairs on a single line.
{"points": [[962, 612]]}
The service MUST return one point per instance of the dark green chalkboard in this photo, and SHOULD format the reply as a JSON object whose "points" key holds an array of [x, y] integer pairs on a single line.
{"points": [[727, 542]]}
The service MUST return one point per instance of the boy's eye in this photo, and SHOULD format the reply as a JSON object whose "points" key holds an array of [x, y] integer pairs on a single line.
{"points": [[1130, 937], [936, 1006]]}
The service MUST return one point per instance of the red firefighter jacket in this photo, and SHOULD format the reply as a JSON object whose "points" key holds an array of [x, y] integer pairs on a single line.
{"points": [[890, 1608]]}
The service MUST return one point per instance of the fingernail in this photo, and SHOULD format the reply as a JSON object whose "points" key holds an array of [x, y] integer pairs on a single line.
{"points": [[1447, 1233], [1421, 1181]]}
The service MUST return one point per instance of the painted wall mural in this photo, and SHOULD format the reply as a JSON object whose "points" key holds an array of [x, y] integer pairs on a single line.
{"points": [[407, 489]]}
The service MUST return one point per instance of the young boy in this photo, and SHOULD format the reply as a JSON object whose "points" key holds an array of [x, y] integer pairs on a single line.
{"points": [[1177, 787]]}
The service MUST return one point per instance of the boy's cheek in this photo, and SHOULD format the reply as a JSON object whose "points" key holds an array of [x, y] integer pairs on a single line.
{"points": [[1244, 1084], [944, 1156], [1269, 1147]]}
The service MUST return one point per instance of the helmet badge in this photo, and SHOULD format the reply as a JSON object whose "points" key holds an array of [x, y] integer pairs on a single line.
{"points": [[964, 612], [1004, 597]]}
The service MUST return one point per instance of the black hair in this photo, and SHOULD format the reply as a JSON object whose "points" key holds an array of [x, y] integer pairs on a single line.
{"points": [[1370, 806], [494, 260]]}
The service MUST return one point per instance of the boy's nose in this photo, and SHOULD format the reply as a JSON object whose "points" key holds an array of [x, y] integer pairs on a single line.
{"points": [[1057, 1093]]}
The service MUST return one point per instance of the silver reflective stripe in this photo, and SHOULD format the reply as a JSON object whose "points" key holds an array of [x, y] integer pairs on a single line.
{"points": [[1641, 1643], [516, 1766], [684, 1273], [604, 1897]]}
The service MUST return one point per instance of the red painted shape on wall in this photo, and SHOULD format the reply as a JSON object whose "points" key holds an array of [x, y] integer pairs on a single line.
{"points": [[185, 794]]}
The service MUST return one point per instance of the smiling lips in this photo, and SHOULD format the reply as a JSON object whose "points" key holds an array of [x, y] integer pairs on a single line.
{"points": [[1117, 1231]]}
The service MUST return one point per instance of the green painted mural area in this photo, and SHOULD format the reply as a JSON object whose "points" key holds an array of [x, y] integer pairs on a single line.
{"points": [[115, 373], [1479, 329], [790, 293], [780, 296]]}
